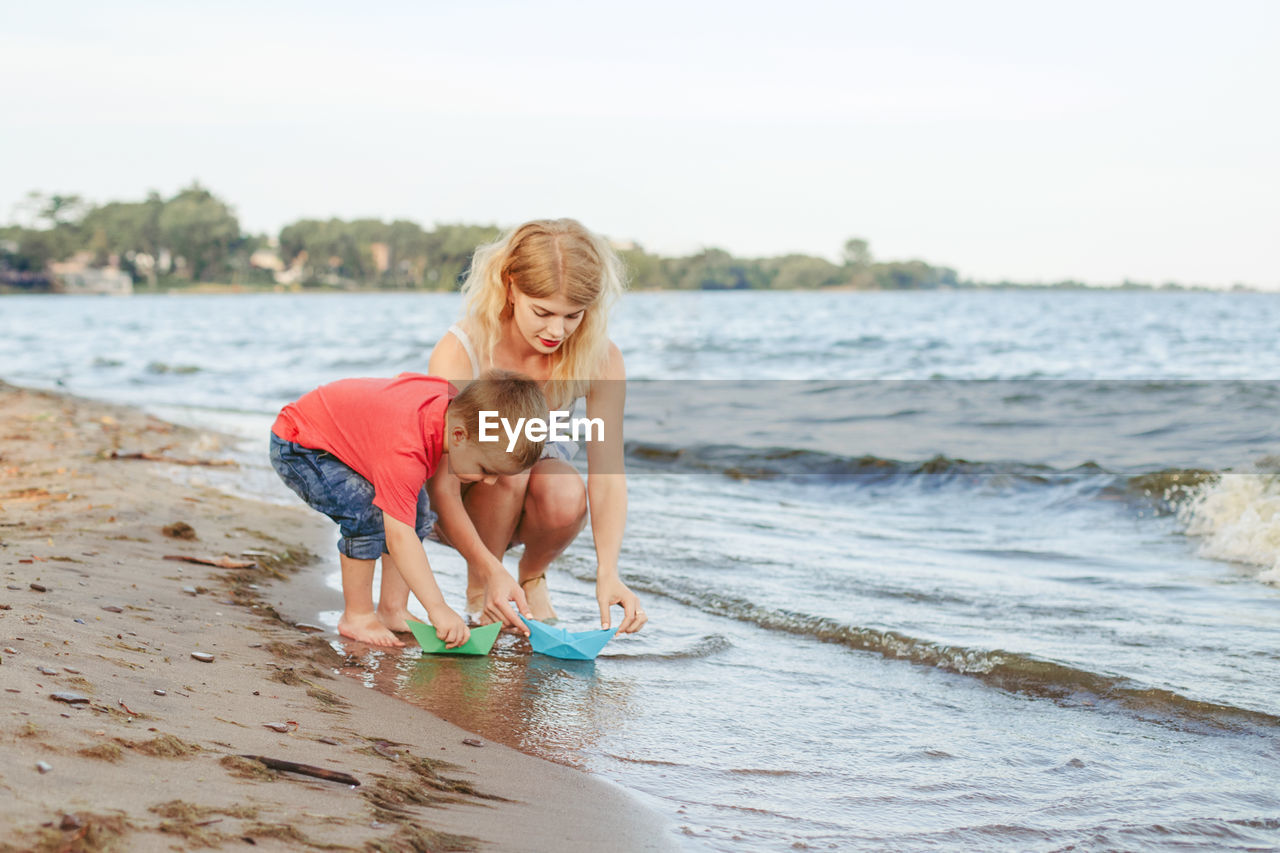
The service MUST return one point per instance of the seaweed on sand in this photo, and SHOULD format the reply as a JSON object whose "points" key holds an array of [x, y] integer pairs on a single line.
{"points": [[418, 839], [329, 701], [103, 752], [247, 769], [190, 812], [162, 746], [85, 833], [428, 772], [289, 833], [392, 799]]}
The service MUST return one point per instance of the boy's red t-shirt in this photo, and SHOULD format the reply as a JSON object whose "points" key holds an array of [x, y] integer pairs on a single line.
{"points": [[389, 431]]}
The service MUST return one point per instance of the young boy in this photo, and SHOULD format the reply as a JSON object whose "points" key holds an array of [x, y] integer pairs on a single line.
{"points": [[361, 451]]}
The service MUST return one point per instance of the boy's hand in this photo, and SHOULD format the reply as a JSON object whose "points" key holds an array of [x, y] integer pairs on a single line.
{"points": [[611, 591], [450, 627], [501, 589]]}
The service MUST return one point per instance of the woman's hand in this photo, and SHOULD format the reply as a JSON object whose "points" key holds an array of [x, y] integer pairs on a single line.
{"points": [[610, 591], [501, 589]]}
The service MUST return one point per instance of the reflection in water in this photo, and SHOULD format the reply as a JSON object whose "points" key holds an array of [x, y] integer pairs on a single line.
{"points": [[555, 709]]}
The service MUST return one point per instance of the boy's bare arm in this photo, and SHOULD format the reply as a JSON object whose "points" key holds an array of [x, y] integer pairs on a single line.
{"points": [[411, 561], [445, 492]]}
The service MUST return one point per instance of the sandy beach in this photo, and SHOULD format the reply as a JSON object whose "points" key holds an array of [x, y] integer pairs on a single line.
{"points": [[135, 681]]}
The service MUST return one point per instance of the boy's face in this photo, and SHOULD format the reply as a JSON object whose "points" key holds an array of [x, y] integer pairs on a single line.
{"points": [[473, 462]]}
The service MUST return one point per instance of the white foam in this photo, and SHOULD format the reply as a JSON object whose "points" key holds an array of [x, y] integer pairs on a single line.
{"points": [[1238, 519]]}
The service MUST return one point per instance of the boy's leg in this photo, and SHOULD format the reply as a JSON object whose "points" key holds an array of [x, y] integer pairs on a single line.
{"points": [[393, 597], [359, 621], [331, 487]]}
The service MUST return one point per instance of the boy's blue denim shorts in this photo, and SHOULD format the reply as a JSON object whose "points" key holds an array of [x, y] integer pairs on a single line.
{"points": [[330, 487]]}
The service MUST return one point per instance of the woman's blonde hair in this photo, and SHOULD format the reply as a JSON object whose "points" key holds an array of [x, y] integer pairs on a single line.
{"points": [[544, 258]]}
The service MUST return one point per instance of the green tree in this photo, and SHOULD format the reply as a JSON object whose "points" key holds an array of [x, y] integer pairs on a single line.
{"points": [[28, 249], [57, 219], [644, 271], [912, 275], [130, 230], [199, 228], [857, 253], [716, 269], [39, 210], [407, 253], [449, 250], [296, 237], [803, 272]]}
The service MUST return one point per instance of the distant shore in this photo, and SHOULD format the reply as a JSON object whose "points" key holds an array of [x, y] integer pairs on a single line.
{"points": [[135, 681], [223, 289], [196, 237]]}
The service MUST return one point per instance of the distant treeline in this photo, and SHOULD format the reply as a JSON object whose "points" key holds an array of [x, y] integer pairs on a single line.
{"points": [[195, 237]]}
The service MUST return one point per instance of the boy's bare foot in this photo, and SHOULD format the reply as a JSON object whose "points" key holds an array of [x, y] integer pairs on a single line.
{"points": [[367, 629], [538, 595], [395, 620]]}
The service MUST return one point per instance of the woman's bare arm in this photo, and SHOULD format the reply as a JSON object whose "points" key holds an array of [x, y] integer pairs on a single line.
{"points": [[607, 492]]}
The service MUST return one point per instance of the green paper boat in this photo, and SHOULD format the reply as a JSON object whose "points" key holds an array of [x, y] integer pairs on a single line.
{"points": [[567, 645], [481, 639]]}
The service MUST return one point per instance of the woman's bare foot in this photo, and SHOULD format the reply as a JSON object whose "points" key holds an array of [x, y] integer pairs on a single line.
{"points": [[475, 602], [395, 620], [538, 595], [367, 628]]}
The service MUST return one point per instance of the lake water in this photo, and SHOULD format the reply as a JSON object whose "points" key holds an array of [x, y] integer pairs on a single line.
{"points": [[925, 571]]}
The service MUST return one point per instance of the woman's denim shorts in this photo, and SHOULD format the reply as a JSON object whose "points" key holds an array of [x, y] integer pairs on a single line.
{"points": [[330, 487]]}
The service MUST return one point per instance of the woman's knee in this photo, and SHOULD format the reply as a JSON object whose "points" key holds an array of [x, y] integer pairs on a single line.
{"points": [[508, 490], [514, 485], [556, 495]]}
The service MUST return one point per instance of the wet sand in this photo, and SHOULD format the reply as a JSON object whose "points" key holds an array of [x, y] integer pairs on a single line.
{"points": [[144, 748]]}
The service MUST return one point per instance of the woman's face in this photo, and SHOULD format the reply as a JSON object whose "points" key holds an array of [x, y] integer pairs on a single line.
{"points": [[544, 322]]}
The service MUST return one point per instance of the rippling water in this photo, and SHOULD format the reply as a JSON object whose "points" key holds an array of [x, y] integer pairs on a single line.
{"points": [[947, 571]]}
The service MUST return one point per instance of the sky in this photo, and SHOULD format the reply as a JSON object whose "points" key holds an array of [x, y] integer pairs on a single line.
{"points": [[1096, 141]]}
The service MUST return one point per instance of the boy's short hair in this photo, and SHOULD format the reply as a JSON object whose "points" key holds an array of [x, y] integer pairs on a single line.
{"points": [[513, 396]]}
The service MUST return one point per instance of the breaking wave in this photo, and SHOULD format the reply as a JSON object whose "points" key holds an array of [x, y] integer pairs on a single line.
{"points": [[1165, 488], [1237, 517], [1005, 670]]}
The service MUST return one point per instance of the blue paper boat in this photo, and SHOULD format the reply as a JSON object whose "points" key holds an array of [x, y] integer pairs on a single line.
{"points": [[567, 645]]}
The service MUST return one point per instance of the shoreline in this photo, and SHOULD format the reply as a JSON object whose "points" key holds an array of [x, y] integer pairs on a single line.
{"points": [[145, 751], [220, 289]]}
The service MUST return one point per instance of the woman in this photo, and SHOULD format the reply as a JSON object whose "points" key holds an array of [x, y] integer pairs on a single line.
{"points": [[537, 302]]}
